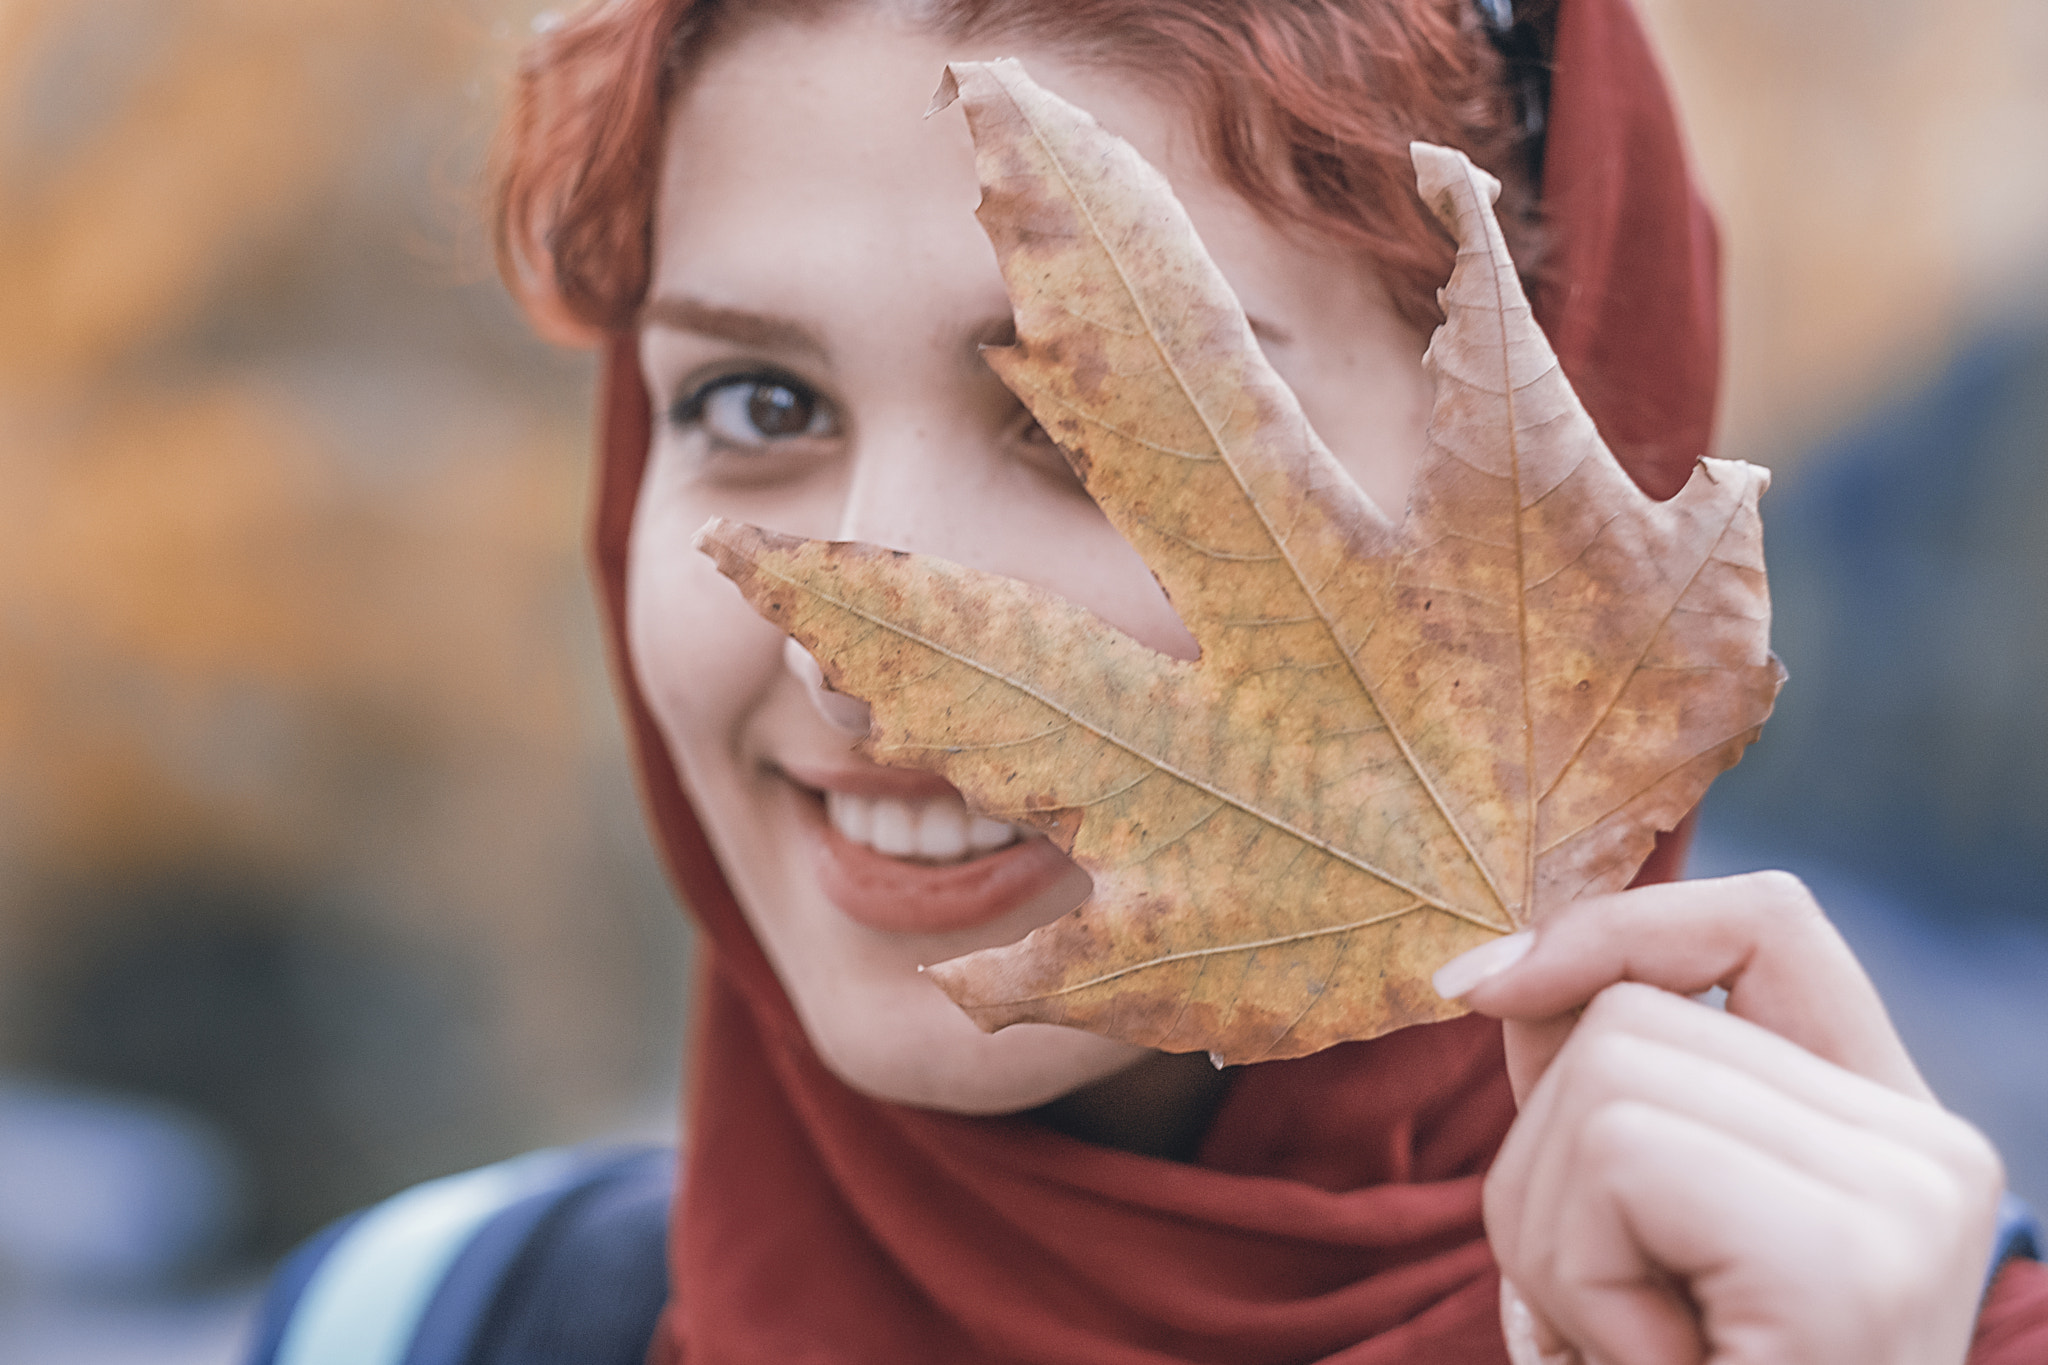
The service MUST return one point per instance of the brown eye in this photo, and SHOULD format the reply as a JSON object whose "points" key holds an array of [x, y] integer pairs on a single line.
{"points": [[755, 410], [779, 410]]}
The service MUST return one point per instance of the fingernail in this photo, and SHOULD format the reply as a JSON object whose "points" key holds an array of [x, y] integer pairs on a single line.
{"points": [[1463, 973], [1518, 1326], [1524, 1340]]}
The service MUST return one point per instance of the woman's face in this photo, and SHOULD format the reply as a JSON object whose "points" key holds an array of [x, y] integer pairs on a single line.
{"points": [[810, 342]]}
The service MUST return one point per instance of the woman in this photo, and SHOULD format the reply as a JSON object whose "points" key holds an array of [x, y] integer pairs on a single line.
{"points": [[745, 204]]}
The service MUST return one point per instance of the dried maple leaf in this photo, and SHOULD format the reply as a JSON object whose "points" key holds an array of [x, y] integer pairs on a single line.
{"points": [[1398, 741]]}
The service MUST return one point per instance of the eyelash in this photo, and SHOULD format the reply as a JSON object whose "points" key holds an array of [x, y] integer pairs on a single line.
{"points": [[689, 411], [688, 415]]}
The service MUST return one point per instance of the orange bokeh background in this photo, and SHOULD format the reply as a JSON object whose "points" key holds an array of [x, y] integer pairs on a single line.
{"points": [[294, 638]]}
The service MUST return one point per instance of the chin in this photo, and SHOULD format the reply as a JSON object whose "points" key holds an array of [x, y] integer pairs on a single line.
{"points": [[927, 1054]]}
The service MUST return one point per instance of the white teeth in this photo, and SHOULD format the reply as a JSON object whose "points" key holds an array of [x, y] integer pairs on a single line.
{"points": [[937, 829], [984, 834], [942, 831], [893, 832], [854, 819]]}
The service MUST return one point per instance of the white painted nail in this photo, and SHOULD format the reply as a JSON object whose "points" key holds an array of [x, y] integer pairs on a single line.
{"points": [[1518, 1328], [1463, 974]]}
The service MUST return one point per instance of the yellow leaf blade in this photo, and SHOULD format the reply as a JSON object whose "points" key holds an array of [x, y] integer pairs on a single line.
{"points": [[1397, 742]]}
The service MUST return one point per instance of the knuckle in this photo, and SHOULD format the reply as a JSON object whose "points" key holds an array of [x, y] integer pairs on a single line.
{"points": [[1929, 1193], [1612, 1138], [1618, 1004], [1937, 1212], [1609, 1062], [1626, 1007], [1889, 1272], [1899, 1272], [1779, 895], [1971, 1162]]}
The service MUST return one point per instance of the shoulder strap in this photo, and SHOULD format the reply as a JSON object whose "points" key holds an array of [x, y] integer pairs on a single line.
{"points": [[465, 1270], [2019, 1233]]}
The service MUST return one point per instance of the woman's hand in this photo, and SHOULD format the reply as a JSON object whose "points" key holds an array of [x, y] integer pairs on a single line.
{"points": [[1769, 1185]]}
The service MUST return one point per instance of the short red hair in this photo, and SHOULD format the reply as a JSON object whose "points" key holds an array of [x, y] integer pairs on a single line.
{"points": [[1305, 107]]}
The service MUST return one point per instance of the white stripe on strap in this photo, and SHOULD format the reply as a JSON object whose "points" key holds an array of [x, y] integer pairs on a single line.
{"points": [[366, 1299]]}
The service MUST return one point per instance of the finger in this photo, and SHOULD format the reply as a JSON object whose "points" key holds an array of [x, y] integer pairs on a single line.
{"points": [[1760, 936], [1530, 1340], [1633, 1234], [1607, 1265], [1643, 1042], [1652, 1319], [1901, 1160], [1885, 1151], [1531, 1045], [1640, 1043], [1780, 1266]]}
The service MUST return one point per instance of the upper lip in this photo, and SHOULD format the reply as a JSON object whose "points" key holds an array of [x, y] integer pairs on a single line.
{"points": [[904, 784]]}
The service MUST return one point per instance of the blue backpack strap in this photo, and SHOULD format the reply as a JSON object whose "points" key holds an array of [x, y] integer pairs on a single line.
{"points": [[556, 1255], [584, 1280], [2019, 1234], [287, 1284]]}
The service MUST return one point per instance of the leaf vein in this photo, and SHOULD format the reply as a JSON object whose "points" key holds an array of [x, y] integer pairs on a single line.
{"points": [[1218, 950], [1266, 817], [1222, 448], [1650, 638]]}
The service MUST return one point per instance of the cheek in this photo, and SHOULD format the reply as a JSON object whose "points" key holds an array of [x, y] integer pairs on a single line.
{"points": [[703, 659], [1068, 547]]}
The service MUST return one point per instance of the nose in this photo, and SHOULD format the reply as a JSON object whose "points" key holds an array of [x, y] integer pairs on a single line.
{"points": [[904, 494], [841, 712], [949, 491], [919, 485], [912, 484]]}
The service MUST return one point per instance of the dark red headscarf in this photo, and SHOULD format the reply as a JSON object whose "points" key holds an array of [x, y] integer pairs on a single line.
{"points": [[1333, 1212]]}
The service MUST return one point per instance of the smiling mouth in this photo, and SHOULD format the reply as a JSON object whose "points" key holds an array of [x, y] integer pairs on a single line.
{"points": [[899, 851], [931, 829]]}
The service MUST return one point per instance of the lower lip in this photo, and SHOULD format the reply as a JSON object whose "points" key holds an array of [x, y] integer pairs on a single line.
{"points": [[901, 897]]}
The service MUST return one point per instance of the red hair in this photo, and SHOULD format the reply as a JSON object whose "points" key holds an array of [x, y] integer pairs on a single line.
{"points": [[1305, 107]]}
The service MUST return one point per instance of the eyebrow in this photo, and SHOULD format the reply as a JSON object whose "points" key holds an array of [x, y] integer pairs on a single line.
{"points": [[736, 325], [1002, 331], [744, 328]]}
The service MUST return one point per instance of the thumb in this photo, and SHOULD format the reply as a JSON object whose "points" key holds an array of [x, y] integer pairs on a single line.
{"points": [[1531, 1041], [1531, 1047], [1759, 936]]}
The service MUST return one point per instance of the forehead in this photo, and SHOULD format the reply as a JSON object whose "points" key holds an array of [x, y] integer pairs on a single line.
{"points": [[800, 151], [801, 177]]}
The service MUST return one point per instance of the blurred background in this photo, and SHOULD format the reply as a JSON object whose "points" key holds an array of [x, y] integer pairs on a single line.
{"points": [[321, 870]]}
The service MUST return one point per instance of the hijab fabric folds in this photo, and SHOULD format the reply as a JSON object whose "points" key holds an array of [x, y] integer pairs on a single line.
{"points": [[1333, 1212]]}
